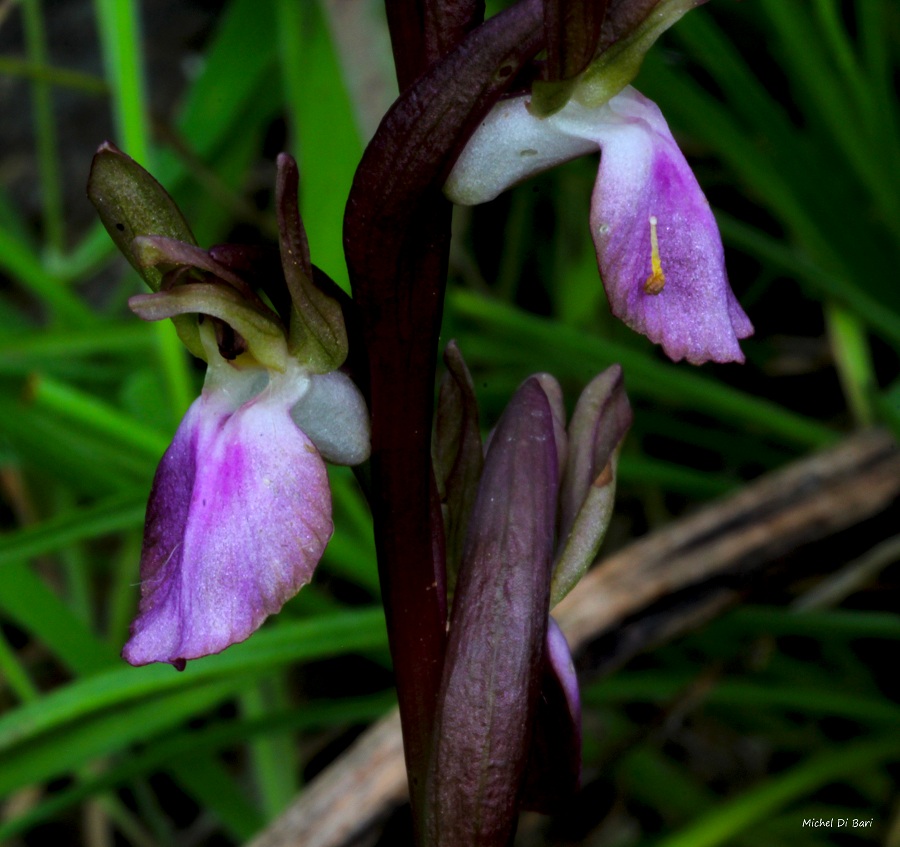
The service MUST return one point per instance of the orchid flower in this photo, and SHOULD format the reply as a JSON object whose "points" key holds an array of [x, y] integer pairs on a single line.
{"points": [[658, 246], [240, 510]]}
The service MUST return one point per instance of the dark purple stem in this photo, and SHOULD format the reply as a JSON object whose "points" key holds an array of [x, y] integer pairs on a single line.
{"points": [[396, 236], [424, 31], [572, 29]]}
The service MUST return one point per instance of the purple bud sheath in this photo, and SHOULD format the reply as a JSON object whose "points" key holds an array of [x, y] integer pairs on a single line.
{"points": [[494, 661]]}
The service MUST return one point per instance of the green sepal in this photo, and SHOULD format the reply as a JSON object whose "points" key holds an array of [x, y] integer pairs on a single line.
{"points": [[586, 536], [618, 60], [263, 333], [547, 98], [599, 423], [132, 203], [618, 64], [318, 336]]}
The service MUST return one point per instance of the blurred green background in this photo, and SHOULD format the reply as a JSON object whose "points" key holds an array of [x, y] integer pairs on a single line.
{"points": [[789, 114]]}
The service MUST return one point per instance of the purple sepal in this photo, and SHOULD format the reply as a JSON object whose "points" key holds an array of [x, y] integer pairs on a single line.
{"points": [[657, 241], [238, 518], [494, 659], [554, 769], [457, 454]]}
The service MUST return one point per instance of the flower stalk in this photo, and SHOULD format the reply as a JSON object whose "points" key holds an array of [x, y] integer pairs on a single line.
{"points": [[475, 543], [397, 236]]}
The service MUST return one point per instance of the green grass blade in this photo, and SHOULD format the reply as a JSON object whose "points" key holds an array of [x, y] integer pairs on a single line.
{"points": [[185, 744], [85, 83], [215, 790], [119, 26], [745, 93], [802, 53], [817, 624], [273, 756], [845, 61], [106, 734], [113, 514], [21, 264], [670, 477], [93, 415], [45, 123], [26, 352], [87, 462], [853, 359], [14, 675], [827, 283], [656, 687], [26, 600], [876, 38], [287, 642], [644, 377], [316, 98], [222, 91], [727, 821], [123, 55]]}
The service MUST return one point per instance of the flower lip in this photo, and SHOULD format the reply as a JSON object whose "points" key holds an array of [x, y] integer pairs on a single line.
{"points": [[657, 242], [238, 518], [658, 245]]}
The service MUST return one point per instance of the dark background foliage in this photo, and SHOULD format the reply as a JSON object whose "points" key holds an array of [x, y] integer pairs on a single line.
{"points": [[731, 735]]}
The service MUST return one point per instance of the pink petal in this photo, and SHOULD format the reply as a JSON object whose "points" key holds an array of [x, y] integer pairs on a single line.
{"points": [[645, 185], [239, 516]]}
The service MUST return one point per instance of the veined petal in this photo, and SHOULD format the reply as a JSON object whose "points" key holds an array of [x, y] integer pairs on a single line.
{"points": [[239, 516], [658, 244]]}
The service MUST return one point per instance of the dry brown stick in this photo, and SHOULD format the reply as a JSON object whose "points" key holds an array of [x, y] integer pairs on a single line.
{"points": [[704, 560]]}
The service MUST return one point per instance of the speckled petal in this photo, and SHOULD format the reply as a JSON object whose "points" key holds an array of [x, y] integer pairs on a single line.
{"points": [[657, 241], [239, 516]]}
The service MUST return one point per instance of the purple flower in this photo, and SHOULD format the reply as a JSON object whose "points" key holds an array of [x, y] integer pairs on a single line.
{"points": [[240, 510], [239, 516], [658, 246]]}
